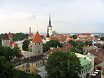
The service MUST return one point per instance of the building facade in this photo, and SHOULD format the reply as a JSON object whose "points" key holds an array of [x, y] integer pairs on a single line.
{"points": [[37, 46]]}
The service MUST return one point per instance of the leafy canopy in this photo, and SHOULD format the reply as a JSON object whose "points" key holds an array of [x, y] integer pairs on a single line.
{"points": [[63, 65], [25, 45]]}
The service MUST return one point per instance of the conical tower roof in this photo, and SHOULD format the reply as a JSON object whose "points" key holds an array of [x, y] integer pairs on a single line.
{"points": [[37, 38]]}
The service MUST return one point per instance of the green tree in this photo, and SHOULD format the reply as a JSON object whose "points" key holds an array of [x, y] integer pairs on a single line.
{"points": [[63, 65], [73, 43], [54, 43], [88, 43], [102, 47], [25, 45], [45, 47], [102, 38], [74, 36], [10, 53], [19, 36], [6, 68], [0, 42], [77, 49], [21, 74], [16, 52], [7, 52]]}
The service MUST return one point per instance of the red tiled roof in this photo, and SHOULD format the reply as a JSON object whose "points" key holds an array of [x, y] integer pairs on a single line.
{"points": [[69, 39], [37, 38], [99, 55], [60, 37], [11, 42], [15, 44], [97, 60], [85, 34], [10, 35]]}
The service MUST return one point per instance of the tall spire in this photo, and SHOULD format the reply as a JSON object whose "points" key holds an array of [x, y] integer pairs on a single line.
{"points": [[49, 20]]}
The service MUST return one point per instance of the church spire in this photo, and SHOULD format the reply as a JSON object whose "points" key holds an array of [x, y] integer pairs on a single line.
{"points": [[49, 28], [49, 21]]}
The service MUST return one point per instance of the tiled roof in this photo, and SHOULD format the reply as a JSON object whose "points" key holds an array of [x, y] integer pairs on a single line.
{"points": [[99, 55], [15, 44], [60, 37], [37, 38], [85, 34], [84, 62], [29, 59], [10, 34], [33, 58]]}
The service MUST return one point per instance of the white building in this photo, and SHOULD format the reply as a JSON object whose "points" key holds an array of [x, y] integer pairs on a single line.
{"points": [[49, 28], [87, 63]]}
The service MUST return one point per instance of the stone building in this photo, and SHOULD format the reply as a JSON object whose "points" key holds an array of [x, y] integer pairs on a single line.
{"points": [[37, 46]]}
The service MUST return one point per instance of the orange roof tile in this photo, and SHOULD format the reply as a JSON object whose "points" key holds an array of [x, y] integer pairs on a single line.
{"points": [[15, 44], [10, 34], [37, 38]]}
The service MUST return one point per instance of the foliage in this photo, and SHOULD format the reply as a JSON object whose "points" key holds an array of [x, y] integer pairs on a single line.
{"points": [[45, 47], [88, 43], [9, 53], [16, 36], [74, 36], [77, 49], [6, 55], [0, 42], [51, 43], [16, 52], [19, 36], [25, 45], [54, 43], [78, 46], [102, 38], [21, 74], [102, 47], [63, 65], [6, 68]]}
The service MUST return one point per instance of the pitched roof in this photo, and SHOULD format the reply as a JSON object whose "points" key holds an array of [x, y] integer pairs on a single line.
{"points": [[37, 38], [10, 34]]}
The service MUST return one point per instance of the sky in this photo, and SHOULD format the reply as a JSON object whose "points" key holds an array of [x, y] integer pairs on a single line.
{"points": [[68, 16]]}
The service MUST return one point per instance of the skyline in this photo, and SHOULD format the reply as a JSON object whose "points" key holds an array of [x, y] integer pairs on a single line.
{"points": [[69, 16]]}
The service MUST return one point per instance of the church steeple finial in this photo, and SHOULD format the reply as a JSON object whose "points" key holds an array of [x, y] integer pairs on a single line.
{"points": [[49, 20]]}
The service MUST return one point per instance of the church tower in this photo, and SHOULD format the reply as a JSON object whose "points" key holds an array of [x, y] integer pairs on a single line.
{"points": [[49, 28], [30, 36], [37, 47]]}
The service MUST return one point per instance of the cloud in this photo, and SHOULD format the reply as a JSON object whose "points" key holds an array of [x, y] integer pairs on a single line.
{"points": [[33, 17], [67, 15]]}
